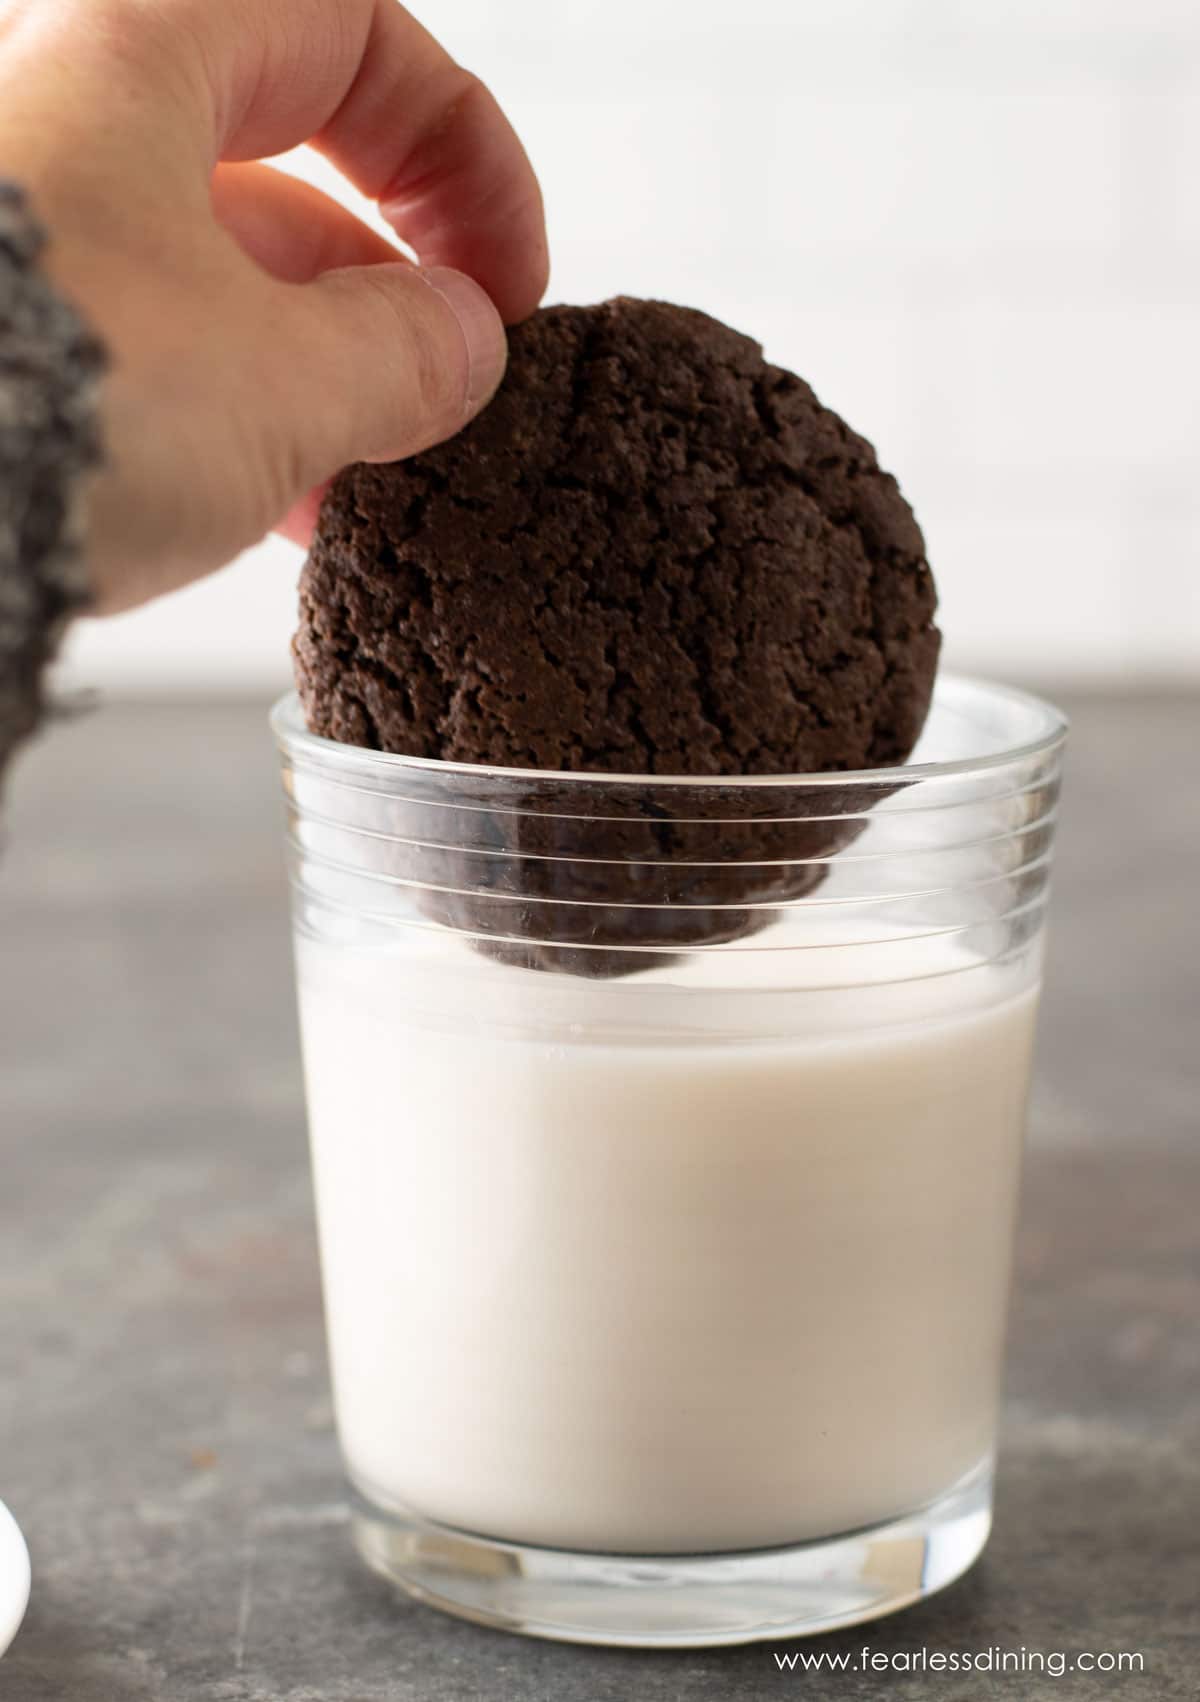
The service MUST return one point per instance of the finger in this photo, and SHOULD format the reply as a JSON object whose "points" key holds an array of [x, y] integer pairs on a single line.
{"points": [[389, 106], [291, 229], [298, 523], [429, 142], [375, 363], [294, 232]]}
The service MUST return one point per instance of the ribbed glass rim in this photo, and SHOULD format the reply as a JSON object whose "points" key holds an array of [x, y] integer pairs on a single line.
{"points": [[1049, 729]]}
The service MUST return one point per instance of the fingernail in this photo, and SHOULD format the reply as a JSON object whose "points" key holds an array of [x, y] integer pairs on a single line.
{"points": [[482, 329]]}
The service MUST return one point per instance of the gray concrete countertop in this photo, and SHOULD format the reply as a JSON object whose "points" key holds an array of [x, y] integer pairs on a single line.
{"points": [[165, 1430]]}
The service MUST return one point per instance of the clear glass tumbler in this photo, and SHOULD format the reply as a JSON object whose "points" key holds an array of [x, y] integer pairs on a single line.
{"points": [[666, 1136]]}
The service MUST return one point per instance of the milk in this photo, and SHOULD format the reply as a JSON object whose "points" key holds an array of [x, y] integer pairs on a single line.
{"points": [[605, 1270]]}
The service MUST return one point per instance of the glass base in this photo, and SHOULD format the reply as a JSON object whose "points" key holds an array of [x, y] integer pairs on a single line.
{"points": [[682, 1601]]}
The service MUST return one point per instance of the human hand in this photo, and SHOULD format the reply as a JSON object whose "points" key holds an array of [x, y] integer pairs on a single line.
{"points": [[261, 336]]}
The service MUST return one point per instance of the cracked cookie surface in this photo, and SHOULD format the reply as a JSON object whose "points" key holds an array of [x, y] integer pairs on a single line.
{"points": [[653, 553]]}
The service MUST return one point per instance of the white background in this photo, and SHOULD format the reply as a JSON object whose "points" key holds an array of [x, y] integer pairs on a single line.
{"points": [[974, 225]]}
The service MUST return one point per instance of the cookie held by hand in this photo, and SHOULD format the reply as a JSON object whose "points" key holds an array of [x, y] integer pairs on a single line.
{"points": [[653, 554]]}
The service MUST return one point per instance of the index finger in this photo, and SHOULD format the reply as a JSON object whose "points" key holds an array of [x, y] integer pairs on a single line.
{"points": [[374, 91]]}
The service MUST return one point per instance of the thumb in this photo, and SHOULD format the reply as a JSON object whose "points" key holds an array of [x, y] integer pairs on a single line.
{"points": [[385, 360]]}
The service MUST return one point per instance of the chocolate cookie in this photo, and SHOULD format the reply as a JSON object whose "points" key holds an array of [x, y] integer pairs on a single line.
{"points": [[653, 553]]}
